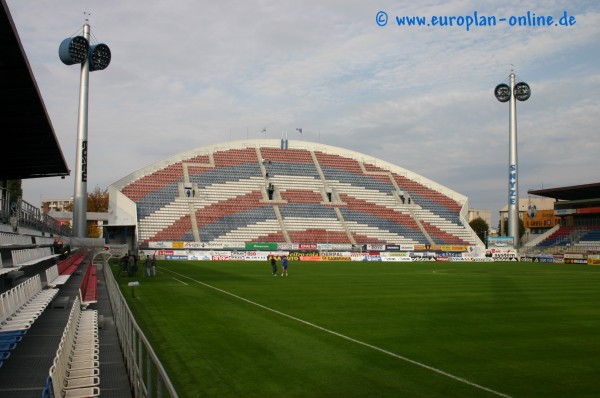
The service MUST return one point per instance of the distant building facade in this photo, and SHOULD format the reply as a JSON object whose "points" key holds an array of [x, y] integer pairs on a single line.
{"points": [[93, 218], [56, 205], [537, 214]]}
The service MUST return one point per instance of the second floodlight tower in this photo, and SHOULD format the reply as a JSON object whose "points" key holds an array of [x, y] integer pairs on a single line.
{"points": [[77, 50], [505, 93]]}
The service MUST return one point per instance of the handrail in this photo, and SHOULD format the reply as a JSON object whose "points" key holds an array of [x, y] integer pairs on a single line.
{"points": [[22, 214], [147, 376]]}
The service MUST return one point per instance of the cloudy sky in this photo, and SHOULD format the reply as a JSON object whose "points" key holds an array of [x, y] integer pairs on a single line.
{"points": [[190, 73]]}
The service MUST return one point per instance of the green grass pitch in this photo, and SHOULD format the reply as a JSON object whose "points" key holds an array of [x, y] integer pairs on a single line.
{"points": [[373, 329]]}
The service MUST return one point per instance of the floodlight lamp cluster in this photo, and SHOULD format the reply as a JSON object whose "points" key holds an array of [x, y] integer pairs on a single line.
{"points": [[521, 91], [76, 50]]}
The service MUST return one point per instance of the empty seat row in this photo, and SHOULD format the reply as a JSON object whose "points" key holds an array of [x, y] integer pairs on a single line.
{"points": [[23, 304], [75, 371], [8, 239], [26, 257]]}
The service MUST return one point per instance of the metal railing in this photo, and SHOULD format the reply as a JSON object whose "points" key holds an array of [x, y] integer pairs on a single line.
{"points": [[4, 205], [147, 376], [19, 213]]}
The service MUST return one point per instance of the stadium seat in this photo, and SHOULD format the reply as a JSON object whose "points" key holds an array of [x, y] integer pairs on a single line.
{"points": [[313, 192]]}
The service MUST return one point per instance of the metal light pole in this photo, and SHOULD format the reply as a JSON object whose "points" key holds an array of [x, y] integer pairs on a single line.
{"points": [[504, 93], [80, 192], [97, 57]]}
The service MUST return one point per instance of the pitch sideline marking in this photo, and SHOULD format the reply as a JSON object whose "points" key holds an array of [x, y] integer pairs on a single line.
{"points": [[180, 281], [403, 358]]}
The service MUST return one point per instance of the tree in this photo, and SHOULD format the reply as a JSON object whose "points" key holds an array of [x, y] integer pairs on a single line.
{"points": [[97, 201], [15, 190], [93, 231], [480, 227]]}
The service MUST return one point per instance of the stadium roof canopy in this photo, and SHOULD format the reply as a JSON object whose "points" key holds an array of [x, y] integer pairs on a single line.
{"points": [[29, 146], [575, 192]]}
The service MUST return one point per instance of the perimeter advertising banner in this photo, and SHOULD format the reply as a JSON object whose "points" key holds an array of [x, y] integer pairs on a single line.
{"points": [[504, 255], [593, 259], [235, 255], [337, 247], [261, 246], [303, 256], [501, 242], [538, 258], [575, 258], [205, 245], [336, 257], [427, 256], [196, 245], [160, 245], [396, 257], [363, 256], [441, 248], [391, 256]]}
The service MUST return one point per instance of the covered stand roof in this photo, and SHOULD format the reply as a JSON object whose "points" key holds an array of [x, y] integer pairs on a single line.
{"points": [[29, 148], [575, 192]]}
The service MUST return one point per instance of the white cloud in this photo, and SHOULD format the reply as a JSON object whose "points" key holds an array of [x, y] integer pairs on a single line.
{"points": [[186, 74]]}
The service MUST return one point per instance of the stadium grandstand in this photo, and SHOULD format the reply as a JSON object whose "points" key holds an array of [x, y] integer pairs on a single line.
{"points": [[43, 285], [296, 192], [65, 327], [578, 207]]}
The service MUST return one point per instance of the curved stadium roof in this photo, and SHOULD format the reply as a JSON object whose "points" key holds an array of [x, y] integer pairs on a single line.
{"points": [[293, 144]]}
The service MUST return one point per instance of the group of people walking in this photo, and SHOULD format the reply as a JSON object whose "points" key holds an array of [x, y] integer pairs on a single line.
{"points": [[284, 265], [129, 265]]}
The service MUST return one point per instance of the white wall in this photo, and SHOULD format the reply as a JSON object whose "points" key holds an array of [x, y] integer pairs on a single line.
{"points": [[121, 209]]}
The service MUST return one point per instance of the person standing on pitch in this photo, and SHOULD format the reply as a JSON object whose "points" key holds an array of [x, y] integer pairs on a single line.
{"points": [[284, 262], [148, 266], [274, 265], [131, 266]]}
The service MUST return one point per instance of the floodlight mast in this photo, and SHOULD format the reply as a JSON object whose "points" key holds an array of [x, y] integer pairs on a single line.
{"points": [[76, 50], [80, 191], [505, 93], [513, 171]]}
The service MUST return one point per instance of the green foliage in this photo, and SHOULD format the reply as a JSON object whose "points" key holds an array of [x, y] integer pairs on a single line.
{"points": [[230, 329], [15, 190], [97, 200], [93, 231], [481, 227]]}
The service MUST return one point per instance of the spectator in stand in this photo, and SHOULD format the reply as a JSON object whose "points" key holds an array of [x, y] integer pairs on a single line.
{"points": [[57, 245]]}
